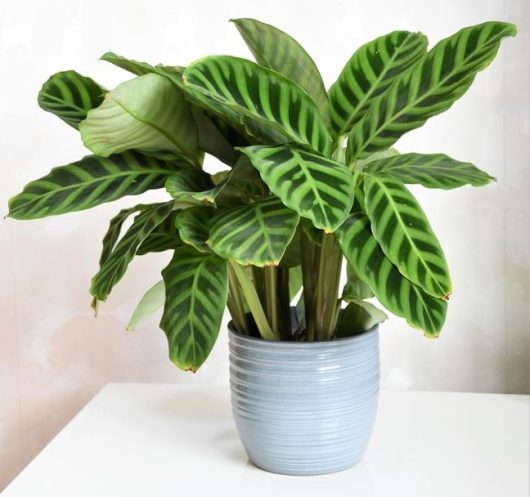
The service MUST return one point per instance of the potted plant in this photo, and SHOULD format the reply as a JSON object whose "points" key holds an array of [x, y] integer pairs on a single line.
{"points": [[311, 179]]}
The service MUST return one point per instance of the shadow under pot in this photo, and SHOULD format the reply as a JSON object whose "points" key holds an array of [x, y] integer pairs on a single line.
{"points": [[304, 408]]}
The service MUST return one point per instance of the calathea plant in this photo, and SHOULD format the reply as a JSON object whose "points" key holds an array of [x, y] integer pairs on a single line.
{"points": [[311, 178]]}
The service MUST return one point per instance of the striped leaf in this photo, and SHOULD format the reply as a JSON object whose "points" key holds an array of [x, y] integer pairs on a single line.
{"points": [[391, 288], [146, 114], [431, 171], [405, 235], [69, 96], [196, 293], [428, 88], [369, 73], [89, 182], [276, 50], [164, 237], [269, 103], [148, 305], [192, 186], [113, 232], [256, 234], [193, 225], [137, 67], [317, 188], [355, 288], [115, 266]]}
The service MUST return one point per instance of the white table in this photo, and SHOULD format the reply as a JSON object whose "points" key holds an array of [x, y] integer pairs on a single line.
{"points": [[157, 440]]}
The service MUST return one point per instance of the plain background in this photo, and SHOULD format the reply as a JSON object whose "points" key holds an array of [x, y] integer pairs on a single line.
{"points": [[54, 355]]}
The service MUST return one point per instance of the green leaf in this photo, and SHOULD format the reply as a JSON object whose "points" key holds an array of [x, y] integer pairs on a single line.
{"points": [[278, 51], [164, 237], [148, 305], [196, 293], [89, 182], [193, 186], [292, 256], [115, 266], [317, 188], [113, 232], [263, 98], [256, 234], [134, 66], [69, 96], [146, 113], [194, 224], [405, 235], [428, 88], [355, 288], [369, 73], [431, 171], [391, 288], [359, 316]]}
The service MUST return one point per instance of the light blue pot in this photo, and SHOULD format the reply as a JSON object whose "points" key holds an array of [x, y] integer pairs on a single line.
{"points": [[304, 408]]}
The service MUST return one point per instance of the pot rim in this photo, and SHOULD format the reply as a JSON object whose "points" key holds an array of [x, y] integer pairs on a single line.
{"points": [[282, 343]]}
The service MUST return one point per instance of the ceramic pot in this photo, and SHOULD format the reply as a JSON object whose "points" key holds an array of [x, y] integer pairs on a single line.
{"points": [[304, 408]]}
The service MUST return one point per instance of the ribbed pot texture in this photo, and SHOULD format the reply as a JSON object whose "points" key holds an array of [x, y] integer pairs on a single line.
{"points": [[304, 408]]}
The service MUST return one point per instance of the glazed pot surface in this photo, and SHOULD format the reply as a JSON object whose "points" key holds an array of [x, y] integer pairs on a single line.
{"points": [[304, 408]]}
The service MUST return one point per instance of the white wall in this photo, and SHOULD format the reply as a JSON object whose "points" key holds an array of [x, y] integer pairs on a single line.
{"points": [[54, 355]]}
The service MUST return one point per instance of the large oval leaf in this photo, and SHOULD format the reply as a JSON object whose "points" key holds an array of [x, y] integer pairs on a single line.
{"points": [[317, 188], [369, 73], [431, 171], [256, 234], [392, 289], [89, 182], [405, 235], [69, 96], [116, 264], [196, 292], [267, 100], [428, 88], [164, 237], [280, 52], [146, 113]]}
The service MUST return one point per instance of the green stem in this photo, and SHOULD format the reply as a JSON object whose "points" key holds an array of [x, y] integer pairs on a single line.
{"points": [[310, 251], [284, 304], [271, 295], [235, 303], [253, 302]]}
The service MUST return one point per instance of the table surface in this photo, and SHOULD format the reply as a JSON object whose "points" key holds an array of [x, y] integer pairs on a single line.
{"points": [[153, 440]]}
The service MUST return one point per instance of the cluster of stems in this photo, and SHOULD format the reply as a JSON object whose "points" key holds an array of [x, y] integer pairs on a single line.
{"points": [[259, 298]]}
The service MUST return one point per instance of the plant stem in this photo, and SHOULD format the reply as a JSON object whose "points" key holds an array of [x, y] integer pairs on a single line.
{"points": [[309, 252], [271, 296], [329, 267], [253, 302], [235, 303], [284, 304]]}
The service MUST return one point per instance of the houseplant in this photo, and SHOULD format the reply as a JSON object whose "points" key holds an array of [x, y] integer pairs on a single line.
{"points": [[311, 178]]}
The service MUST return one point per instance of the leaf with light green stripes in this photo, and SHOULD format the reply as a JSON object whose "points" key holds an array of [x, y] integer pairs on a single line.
{"points": [[256, 234], [280, 52], [405, 235], [196, 293], [69, 96], [194, 224], [137, 67], [263, 98], [429, 170], [164, 237], [369, 73], [146, 113], [152, 300], [115, 266], [427, 88], [391, 288], [318, 188], [89, 182], [113, 231]]}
